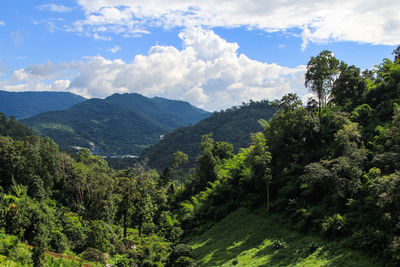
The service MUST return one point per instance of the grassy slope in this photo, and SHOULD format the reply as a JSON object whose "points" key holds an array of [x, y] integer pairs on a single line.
{"points": [[248, 238]]}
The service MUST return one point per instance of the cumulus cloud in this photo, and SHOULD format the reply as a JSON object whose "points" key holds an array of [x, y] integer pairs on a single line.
{"points": [[2, 23], [208, 72], [375, 22], [54, 8]]}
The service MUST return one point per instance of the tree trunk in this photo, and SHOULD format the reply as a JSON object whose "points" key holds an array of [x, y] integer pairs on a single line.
{"points": [[181, 182], [268, 204], [140, 226], [125, 212]]}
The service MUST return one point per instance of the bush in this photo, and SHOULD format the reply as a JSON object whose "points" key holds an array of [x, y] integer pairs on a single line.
{"points": [[180, 252], [92, 254], [185, 261], [77, 235], [8, 244], [58, 242], [121, 261], [334, 225]]}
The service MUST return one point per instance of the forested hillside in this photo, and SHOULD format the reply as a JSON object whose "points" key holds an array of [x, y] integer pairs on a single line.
{"points": [[318, 185], [331, 168], [12, 128], [27, 104], [118, 124], [233, 125]]}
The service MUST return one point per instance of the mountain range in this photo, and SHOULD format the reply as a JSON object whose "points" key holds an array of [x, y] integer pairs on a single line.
{"points": [[118, 124], [27, 104]]}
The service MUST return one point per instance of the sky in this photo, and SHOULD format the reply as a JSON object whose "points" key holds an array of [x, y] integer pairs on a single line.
{"points": [[212, 53]]}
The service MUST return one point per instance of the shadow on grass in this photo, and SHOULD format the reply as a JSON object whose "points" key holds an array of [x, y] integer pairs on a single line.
{"points": [[247, 239]]}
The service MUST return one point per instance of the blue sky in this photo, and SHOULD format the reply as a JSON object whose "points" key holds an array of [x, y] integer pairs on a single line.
{"points": [[214, 54]]}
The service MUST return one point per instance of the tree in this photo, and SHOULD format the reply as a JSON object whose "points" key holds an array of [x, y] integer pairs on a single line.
{"points": [[125, 197], [260, 158], [349, 88], [93, 187], [320, 76], [178, 159], [288, 102], [147, 199], [222, 150], [207, 161]]}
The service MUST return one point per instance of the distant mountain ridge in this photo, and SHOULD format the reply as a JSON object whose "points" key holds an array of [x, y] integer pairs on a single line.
{"points": [[28, 104], [118, 124], [233, 125]]}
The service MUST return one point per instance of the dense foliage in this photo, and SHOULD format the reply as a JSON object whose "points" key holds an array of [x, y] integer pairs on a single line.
{"points": [[330, 168], [118, 125], [233, 125], [27, 104], [53, 202], [12, 128]]}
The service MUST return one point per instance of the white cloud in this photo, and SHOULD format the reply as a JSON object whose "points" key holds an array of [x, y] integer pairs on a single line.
{"points": [[207, 72], [97, 36], [2, 23], [55, 8], [114, 49], [60, 85], [375, 22]]}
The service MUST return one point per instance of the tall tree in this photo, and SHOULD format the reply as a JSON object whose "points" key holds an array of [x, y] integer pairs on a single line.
{"points": [[125, 197], [260, 158], [349, 87], [179, 158], [320, 76], [207, 161]]}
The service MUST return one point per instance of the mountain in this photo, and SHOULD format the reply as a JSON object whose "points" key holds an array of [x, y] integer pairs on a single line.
{"points": [[173, 113], [27, 104], [233, 125], [117, 125], [182, 109]]}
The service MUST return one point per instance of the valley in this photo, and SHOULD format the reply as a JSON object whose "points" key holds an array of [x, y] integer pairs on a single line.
{"points": [[266, 183]]}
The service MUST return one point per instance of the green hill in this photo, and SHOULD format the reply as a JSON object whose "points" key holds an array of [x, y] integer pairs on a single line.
{"points": [[119, 124], [12, 128], [233, 125], [246, 238], [28, 104]]}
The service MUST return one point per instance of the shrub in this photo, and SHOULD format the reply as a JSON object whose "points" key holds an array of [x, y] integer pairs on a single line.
{"points": [[181, 252], [7, 245], [92, 254], [121, 261], [77, 235], [185, 261], [58, 242], [333, 225]]}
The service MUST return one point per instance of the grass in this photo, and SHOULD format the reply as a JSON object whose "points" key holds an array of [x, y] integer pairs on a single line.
{"points": [[247, 238]]}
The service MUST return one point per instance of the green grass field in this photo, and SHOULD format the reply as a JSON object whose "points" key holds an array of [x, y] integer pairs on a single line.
{"points": [[247, 238]]}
